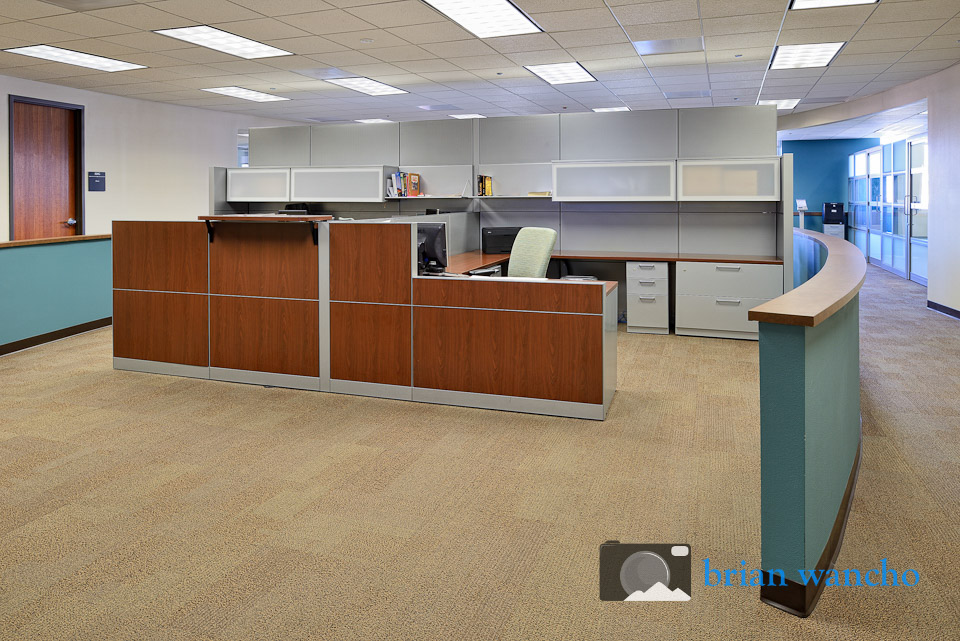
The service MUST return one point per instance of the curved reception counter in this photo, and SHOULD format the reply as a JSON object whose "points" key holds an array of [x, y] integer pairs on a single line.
{"points": [[336, 306], [809, 417]]}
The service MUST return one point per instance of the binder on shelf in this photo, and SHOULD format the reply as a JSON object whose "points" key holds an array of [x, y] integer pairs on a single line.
{"points": [[484, 185]]}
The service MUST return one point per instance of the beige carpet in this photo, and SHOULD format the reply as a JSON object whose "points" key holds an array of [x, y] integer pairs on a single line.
{"points": [[137, 506]]}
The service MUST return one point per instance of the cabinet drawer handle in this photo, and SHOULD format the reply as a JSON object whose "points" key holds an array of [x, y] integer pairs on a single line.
{"points": [[647, 282], [646, 266], [647, 299], [728, 268], [728, 301]]}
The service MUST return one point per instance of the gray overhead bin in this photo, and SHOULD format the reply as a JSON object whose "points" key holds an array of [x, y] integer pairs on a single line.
{"points": [[520, 139], [728, 132], [436, 142], [355, 144], [280, 146], [632, 135]]}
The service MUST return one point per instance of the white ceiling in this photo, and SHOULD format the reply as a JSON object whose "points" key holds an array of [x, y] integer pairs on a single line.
{"points": [[419, 50], [908, 120]]}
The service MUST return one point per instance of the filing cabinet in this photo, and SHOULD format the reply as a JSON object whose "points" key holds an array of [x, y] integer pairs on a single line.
{"points": [[648, 298], [713, 298]]}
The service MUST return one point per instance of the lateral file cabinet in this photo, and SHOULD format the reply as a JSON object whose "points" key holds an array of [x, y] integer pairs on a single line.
{"points": [[713, 298], [648, 298]]}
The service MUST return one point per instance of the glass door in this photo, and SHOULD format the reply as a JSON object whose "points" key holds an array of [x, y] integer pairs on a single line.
{"points": [[893, 227], [917, 199], [857, 224], [874, 204]]}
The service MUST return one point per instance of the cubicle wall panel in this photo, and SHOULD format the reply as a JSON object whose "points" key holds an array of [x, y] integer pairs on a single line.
{"points": [[355, 144], [520, 139], [556, 296], [509, 353], [160, 256], [370, 262], [160, 326], [599, 230], [279, 146], [633, 135], [265, 335], [370, 343], [728, 132], [436, 142], [277, 260], [715, 233]]}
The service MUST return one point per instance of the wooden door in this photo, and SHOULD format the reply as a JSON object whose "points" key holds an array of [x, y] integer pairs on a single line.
{"points": [[45, 159]]}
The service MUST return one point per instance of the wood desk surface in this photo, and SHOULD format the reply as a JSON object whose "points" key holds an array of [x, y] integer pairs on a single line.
{"points": [[468, 261], [52, 241], [264, 218]]}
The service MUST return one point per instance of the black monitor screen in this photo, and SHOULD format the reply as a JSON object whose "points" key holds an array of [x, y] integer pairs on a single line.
{"points": [[431, 247]]}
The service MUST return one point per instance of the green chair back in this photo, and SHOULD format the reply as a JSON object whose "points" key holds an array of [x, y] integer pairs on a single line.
{"points": [[531, 252]]}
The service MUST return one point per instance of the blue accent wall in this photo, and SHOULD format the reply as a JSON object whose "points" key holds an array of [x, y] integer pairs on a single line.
{"points": [[45, 288]]}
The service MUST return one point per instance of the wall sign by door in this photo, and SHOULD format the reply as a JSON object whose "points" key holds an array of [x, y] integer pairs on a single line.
{"points": [[96, 181]]}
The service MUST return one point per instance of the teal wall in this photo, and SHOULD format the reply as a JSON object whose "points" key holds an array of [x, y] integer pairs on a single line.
{"points": [[809, 425], [44, 288], [820, 169]]}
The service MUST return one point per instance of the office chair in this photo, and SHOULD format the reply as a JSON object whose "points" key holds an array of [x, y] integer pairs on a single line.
{"points": [[531, 252]]}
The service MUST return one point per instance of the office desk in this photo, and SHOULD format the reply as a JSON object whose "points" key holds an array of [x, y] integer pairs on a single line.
{"points": [[338, 307], [469, 261]]}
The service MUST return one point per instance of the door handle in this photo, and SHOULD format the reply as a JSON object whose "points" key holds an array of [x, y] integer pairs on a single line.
{"points": [[70, 222]]}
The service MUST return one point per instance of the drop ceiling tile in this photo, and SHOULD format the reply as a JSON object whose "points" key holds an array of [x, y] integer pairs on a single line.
{"points": [[152, 42], [504, 73], [612, 64], [950, 27], [375, 70], [261, 29], [278, 76], [84, 25], [343, 58], [241, 66], [809, 36], [916, 28], [927, 66], [446, 77], [657, 12], [29, 9], [828, 17], [738, 85], [307, 45], [664, 30], [540, 57], [142, 17], [195, 71], [323, 23], [858, 46], [367, 39], [211, 81], [200, 55], [859, 78], [459, 48], [138, 88], [939, 42], [602, 52], [907, 11], [208, 11], [687, 103], [742, 24], [152, 60], [433, 64], [401, 53], [723, 8], [527, 42], [840, 70], [32, 72], [735, 76], [932, 54], [284, 7], [93, 81], [100, 47], [674, 59], [36, 34], [759, 55], [738, 65], [575, 20], [430, 33], [636, 73], [592, 37], [289, 63], [397, 14], [813, 72], [741, 40], [482, 62]]}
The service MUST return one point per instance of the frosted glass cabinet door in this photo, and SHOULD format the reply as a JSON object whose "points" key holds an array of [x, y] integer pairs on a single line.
{"points": [[602, 181], [255, 185], [338, 184], [747, 179]]}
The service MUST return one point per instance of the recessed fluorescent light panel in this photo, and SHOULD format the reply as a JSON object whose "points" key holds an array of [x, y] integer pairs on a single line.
{"points": [[803, 56], [466, 116], [781, 104], [246, 94], [601, 110], [562, 73], [822, 4], [672, 45], [367, 86], [372, 121], [69, 57], [486, 18], [211, 38]]}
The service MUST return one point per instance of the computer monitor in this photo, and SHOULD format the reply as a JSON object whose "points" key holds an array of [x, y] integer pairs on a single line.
{"points": [[431, 248]]}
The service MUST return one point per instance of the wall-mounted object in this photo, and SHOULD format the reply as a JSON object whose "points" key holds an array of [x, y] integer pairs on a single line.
{"points": [[96, 181], [258, 184], [729, 180], [614, 181], [340, 184]]}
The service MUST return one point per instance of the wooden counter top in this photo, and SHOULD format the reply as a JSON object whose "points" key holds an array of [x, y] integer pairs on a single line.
{"points": [[264, 218], [468, 261], [831, 288], [50, 241]]}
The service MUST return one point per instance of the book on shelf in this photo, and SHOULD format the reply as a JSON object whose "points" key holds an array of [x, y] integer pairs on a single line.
{"points": [[539, 193], [484, 185], [403, 185]]}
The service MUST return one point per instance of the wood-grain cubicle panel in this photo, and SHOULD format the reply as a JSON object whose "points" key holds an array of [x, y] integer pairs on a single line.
{"points": [[160, 326], [370, 343], [160, 256], [496, 293], [265, 335], [275, 260], [511, 353], [370, 262]]}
